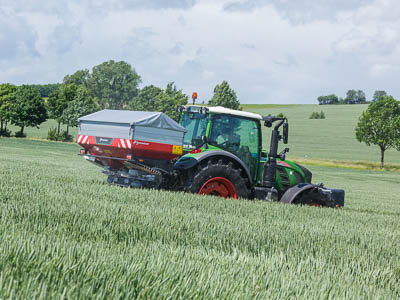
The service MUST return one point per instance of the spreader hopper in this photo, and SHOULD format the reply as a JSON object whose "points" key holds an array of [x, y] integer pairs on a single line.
{"points": [[122, 134]]}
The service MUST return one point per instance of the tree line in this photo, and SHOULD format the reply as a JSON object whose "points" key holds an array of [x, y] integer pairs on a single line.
{"points": [[110, 85], [115, 85], [352, 97]]}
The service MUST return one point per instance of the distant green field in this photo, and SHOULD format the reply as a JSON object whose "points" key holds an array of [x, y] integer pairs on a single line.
{"points": [[66, 234], [330, 138], [41, 132]]}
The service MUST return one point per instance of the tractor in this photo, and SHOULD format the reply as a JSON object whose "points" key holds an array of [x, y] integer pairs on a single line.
{"points": [[212, 151]]}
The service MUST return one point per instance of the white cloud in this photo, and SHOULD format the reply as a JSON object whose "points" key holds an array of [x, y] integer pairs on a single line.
{"points": [[269, 52], [377, 70]]}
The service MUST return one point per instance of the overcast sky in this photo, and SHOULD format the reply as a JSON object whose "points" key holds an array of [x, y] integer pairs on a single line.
{"points": [[276, 51]]}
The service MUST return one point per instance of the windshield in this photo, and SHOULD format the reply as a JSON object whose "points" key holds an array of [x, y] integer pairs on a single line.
{"points": [[196, 125]]}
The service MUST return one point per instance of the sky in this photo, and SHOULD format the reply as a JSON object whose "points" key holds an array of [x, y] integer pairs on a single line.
{"points": [[276, 51]]}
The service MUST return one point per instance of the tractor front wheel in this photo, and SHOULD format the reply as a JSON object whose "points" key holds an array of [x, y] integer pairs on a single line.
{"points": [[218, 179]]}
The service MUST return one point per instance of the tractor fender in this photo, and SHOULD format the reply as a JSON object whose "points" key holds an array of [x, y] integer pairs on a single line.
{"points": [[187, 162], [296, 190]]}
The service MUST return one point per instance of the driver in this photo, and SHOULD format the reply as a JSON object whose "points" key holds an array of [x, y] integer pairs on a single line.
{"points": [[220, 133], [223, 138]]}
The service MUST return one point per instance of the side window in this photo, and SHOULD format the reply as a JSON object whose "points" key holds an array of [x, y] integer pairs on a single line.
{"points": [[221, 131], [247, 132], [239, 136]]}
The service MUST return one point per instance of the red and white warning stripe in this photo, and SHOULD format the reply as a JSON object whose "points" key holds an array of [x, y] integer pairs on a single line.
{"points": [[122, 143], [126, 144], [83, 139]]}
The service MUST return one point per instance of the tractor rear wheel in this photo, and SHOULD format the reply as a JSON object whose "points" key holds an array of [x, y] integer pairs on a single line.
{"points": [[218, 179]]}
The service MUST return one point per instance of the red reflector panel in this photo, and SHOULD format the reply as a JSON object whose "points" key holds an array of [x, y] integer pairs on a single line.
{"points": [[194, 151], [83, 151], [129, 156]]}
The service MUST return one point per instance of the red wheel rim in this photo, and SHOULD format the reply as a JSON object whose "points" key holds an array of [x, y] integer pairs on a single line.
{"points": [[219, 186], [314, 204]]}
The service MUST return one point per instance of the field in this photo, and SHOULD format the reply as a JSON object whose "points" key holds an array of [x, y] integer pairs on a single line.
{"points": [[332, 138], [41, 132], [66, 234]]}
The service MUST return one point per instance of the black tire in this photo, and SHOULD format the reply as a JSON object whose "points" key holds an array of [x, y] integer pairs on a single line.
{"points": [[302, 194], [209, 169]]}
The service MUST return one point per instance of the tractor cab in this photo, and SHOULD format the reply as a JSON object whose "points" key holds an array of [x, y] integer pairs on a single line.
{"points": [[219, 128]]}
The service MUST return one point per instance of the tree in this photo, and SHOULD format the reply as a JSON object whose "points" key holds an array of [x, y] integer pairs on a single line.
{"points": [[146, 99], [224, 96], [360, 97], [317, 115], [7, 96], [378, 94], [351, 97], [28, 109], [80, 77], [334, 99], [380, 125], [330, 99], [355, 97], [46, 89], [152, 98], [113, 84], [167, 101], [58, 102], [82, 104], [68, 103]]}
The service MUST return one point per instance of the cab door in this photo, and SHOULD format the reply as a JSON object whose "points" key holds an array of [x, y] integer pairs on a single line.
{"points": [[249, 149], [239, 136]]}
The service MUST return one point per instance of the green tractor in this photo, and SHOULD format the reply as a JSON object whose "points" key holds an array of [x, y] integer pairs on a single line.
{"points": [[213, 151], [223, 156]]}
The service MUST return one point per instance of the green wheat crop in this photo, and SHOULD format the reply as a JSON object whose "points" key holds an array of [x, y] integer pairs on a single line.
{"points": [[64, 233]]}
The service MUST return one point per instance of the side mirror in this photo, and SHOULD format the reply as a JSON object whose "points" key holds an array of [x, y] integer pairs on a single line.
{"points": [[268, 120], [285, 133], [268, 124]]}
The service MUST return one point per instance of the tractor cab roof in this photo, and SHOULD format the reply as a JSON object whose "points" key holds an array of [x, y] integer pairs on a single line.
{"points": [[225, 111]]}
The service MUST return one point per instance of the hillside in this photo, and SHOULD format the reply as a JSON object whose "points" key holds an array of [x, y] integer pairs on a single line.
{"points": [[332, 138], [65, 233]]}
